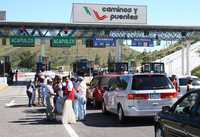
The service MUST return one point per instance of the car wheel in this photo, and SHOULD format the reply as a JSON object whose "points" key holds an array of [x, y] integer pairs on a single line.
{"points": [[159, 132], [120, 114], [104, 110]]}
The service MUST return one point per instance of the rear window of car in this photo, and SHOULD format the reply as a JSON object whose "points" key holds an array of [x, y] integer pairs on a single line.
{"points": [[183, 81], [151, 82]]}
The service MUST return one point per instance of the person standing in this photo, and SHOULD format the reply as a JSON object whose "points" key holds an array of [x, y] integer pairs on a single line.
{"points": [[174, 82], [50, 100], [189, 85], [30, 89], [39, 78], [16, 76], [59, 95], [75, 102], [82, 98], [68, 112], [44, 90]]}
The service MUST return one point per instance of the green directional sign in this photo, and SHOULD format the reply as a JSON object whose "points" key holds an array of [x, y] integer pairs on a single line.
{"points": [[63, 41], [22, 41]]}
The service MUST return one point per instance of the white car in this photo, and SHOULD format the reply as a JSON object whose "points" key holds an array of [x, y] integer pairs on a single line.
{"points": [[182, 83], [138, 95]]}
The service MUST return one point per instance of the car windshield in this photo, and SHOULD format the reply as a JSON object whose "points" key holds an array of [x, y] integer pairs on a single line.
{"points": [[151, 82]]}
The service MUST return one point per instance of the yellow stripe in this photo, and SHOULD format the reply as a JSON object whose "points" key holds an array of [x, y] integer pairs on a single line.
{"points": [[3, 86]]}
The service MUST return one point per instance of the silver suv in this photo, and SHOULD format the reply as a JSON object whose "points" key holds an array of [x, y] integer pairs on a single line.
{"points": [[138, 95]]}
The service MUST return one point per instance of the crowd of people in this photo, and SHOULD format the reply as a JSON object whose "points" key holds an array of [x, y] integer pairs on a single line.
{"points": [[60, 95]]}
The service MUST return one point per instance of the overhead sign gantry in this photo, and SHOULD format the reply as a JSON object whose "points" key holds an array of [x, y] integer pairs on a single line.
{"points": [[49, 30], [65, 35]]}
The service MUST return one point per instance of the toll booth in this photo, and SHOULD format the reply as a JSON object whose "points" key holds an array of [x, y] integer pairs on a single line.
{"points": [[5, 66], [43, 64], [82, 67], [118, 67], [156, 67]]}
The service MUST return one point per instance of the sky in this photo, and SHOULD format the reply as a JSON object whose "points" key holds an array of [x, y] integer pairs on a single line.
{"points": [[159, 12]]}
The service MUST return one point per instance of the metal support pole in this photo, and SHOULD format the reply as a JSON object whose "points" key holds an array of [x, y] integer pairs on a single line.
{"points": [[118, 56], [188, 59], [76, 50], [182, 59]]}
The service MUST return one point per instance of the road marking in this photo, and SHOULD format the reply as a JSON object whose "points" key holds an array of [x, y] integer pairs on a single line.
{"points": [[70, 130], [11, 103]]}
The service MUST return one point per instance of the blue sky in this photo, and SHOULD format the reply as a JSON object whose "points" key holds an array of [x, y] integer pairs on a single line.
{"points": [[160, 12]]}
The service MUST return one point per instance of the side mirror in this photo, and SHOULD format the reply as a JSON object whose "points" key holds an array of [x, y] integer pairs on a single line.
{"points": [[166, 109]]}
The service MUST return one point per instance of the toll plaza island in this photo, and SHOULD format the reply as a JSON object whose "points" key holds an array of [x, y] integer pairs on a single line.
{"points": [[51, 89]]}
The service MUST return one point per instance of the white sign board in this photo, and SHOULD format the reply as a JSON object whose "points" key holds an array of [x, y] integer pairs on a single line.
{"points": [[108, 14], [2, 15]]}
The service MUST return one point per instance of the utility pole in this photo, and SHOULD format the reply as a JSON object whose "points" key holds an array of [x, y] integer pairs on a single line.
{"points": [[183, 61], [42, 51], [118, 53], [188, 58]]}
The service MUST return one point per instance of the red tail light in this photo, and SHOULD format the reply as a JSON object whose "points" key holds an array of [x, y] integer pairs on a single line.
{"points": [[168, 95], [137, 96]]}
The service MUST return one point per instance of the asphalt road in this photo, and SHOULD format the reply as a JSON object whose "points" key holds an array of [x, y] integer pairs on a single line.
{"points": [[22, 121]]}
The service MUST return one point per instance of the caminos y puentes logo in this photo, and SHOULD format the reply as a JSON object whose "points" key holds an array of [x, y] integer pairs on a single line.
{"points": [[94, 14], [112, 13]]}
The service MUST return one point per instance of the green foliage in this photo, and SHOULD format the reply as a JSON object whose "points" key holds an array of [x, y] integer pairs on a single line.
{"points": [[110, 58], [27, 60], [196, 71], [97, 59]]}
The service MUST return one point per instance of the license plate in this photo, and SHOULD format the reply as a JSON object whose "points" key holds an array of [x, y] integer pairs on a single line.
{"points": [[155, 96]]}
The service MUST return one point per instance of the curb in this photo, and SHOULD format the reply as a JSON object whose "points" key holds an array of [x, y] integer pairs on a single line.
{"points": [[3, 86]]}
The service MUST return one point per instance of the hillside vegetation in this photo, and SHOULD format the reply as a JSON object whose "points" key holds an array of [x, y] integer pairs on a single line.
{"points": [[23, 57], [196, 71], [61, 56]]}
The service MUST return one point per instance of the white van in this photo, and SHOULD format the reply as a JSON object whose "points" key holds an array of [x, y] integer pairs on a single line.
{"points": [[138, 95]]}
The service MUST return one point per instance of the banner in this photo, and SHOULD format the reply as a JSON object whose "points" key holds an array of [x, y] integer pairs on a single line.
{"points": [[108, 14]]}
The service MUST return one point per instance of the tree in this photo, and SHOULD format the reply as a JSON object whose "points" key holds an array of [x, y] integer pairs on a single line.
{"points": [[27, 60], [110, 58], [97, 59]]}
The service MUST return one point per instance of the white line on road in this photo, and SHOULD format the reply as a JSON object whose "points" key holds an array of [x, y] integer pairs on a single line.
{"points": [[10, 103], [70, 130]]}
